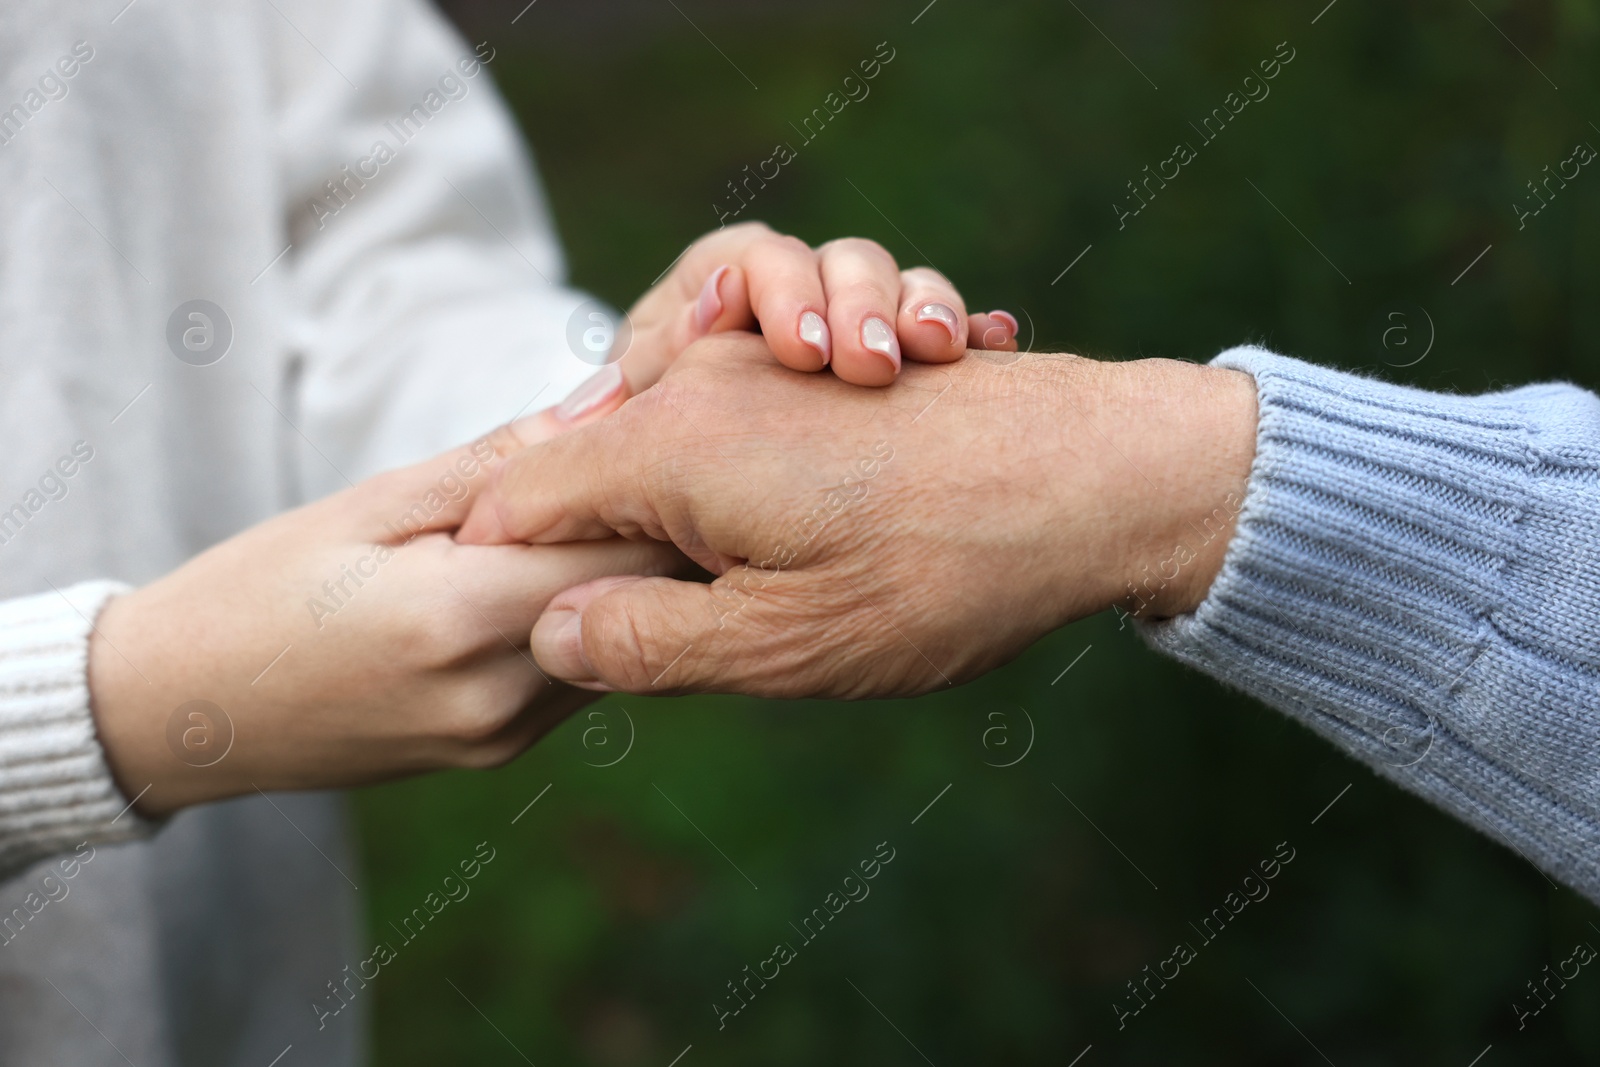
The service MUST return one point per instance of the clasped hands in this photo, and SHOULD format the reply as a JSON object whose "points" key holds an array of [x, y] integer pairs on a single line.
{"points": [[861, 541]]}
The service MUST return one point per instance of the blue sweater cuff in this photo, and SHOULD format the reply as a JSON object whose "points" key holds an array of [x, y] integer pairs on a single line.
{"points": [[1416, 576]]}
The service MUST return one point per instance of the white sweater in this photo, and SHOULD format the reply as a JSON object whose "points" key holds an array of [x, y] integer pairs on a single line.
{"points": [[164, 152]]}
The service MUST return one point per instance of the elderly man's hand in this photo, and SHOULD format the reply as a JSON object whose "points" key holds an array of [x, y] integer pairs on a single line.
{"points": [[876, 543]]}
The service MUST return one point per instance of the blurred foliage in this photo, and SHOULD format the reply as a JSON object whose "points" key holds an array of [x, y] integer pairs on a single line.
{"points": [[994, 146]]}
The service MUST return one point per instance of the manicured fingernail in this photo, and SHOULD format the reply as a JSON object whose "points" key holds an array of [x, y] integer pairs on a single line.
{"points": [[814, 332], [1009, 319], [709, 307], [560, 646], [878, 336], [598, 390], [943, 316]]}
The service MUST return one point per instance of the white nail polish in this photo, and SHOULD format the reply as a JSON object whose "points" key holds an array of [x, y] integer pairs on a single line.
{"points": [[943, 316], [814, 332], [592, 393], [708, 308], [878, 336]]}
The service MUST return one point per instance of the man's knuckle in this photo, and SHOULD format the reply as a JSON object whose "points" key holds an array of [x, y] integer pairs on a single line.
{"points": [[504, 442], [620, 640]]}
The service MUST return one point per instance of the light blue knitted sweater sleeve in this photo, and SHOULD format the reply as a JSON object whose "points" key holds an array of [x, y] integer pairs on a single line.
{"points": [[1416, 576]]}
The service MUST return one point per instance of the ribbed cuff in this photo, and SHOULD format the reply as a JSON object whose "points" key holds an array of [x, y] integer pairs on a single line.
{"points": [[55, 788], [1378, 575]]}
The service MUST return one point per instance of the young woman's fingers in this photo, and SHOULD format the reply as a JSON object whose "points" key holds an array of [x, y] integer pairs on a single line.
{"points": [[605, 391], [509, 585], [862, 284], [994, 332], [933, 318], [722, 304], [785, 283], [554, 492], [705, 292], [438, 494], [718, 249]]}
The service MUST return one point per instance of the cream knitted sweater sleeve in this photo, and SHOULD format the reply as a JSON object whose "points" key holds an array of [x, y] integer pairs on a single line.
{"points": [[416, 300], [55, 788]]}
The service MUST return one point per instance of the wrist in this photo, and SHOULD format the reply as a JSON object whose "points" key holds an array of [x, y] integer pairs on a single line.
{"points": [[114, 701], [130, 703], [1186, 446]]}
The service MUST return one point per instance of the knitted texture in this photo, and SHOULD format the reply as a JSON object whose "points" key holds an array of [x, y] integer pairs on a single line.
{"points": [[1416, 576], [55, 788]]}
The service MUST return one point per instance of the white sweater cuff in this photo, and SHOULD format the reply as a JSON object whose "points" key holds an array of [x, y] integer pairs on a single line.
{"points": [[56, 790]]}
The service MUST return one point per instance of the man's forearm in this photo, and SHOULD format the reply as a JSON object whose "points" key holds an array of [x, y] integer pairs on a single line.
{"points": [[1412, 577], [1184, 447]]}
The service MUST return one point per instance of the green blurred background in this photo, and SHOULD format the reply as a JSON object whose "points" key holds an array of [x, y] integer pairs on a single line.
{"points": [[994, 145]]}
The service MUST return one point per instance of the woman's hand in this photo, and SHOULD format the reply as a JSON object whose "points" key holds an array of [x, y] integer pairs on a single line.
{"points": [[847, 305], [349, 641]]}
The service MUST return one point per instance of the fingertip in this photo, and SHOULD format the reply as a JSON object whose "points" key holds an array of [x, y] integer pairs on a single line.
{"points": [[993, 332], [708, 306], [723, 303], [933, 311], [557, 646], [557, 637], [799, 338], [483, 525], [787, 297], [602, 394], [814, 334], [875, 359], [933, 332], [874, 372]]}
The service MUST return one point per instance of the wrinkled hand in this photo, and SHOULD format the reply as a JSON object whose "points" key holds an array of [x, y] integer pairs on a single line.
{"points": [[872, 542]]}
